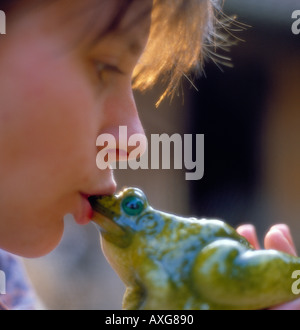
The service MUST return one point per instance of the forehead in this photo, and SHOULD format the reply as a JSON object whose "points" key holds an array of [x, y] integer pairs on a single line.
{"points": [[95, 20]]}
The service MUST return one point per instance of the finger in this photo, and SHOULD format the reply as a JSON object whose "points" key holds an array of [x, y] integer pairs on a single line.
{"points": [[249, 232], [275, 239], [285, 231], [293, 305]]}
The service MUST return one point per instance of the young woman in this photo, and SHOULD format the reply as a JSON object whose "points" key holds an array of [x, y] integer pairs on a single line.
{"points": [[66, 77]]}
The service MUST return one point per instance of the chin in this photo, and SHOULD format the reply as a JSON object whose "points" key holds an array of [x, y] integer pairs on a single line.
{"points": [[41, 245]]}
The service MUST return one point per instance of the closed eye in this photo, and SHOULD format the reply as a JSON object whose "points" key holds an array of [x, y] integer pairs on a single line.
{"points": [[101, 67], [105, 72]]}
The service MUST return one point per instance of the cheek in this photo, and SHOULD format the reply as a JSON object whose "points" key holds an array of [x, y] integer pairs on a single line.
{"points": [[49, 133], [58, 116], [49, 147]]}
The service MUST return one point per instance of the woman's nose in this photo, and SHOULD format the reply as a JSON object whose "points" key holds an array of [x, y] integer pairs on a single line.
{"points": [[123, 123]]}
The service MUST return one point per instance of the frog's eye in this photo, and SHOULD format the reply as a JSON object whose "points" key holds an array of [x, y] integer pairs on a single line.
{"points": [[133, 205]]}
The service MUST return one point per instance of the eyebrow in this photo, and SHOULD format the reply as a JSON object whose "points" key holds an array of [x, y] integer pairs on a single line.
{"points": [[114, 27], [114, 24], [135, 47]]}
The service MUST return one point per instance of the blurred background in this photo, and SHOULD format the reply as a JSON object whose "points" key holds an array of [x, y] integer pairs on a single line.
{"points": [[250, 115]]}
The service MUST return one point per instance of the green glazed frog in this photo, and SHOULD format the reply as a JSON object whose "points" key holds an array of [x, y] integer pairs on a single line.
{"points": [[171, 262]]}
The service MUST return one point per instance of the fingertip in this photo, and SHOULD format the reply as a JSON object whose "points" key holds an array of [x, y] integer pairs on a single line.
{"points": [[245, 230], [285, 230], [275, 239], [249, 232]]}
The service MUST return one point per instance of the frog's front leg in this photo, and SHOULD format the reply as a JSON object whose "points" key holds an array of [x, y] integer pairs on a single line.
{"points": [[133, 298], [155, 289], [231, 276]]}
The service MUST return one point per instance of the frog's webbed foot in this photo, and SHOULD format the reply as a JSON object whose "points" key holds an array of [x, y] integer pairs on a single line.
{"points": [[134, 298]]}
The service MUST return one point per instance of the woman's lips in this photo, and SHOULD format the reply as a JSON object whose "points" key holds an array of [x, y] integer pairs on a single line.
{"points": [[86, 211]]}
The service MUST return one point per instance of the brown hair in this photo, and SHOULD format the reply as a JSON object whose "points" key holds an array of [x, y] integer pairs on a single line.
{"points": [[181, 36], [181, 33]]}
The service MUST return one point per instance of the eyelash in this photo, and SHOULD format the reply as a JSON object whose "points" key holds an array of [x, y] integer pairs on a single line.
{"points": [[101, 68]]}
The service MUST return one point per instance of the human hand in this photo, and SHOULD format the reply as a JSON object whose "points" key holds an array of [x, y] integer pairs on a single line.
{"points": [[279, 238]]}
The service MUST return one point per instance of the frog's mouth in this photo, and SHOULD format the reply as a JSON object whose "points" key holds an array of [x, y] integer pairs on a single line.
{"points": [[104, 215]]}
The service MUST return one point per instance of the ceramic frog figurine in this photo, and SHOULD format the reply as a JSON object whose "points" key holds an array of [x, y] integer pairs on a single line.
{"points": [[170, 262]]}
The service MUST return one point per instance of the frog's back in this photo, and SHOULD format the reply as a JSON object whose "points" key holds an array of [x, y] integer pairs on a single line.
{"points": [[167, 255], [202, 230]]}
